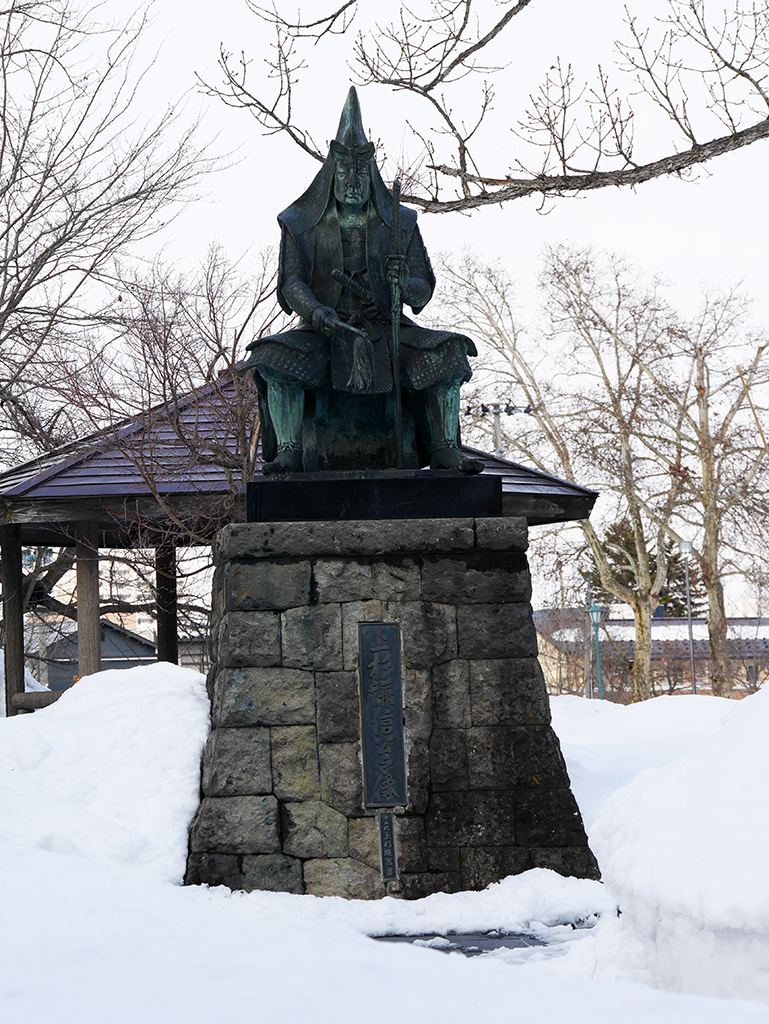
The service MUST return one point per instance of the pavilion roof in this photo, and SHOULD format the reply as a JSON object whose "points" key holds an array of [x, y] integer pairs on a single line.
{"points": [[173, 457], [155, 453]]}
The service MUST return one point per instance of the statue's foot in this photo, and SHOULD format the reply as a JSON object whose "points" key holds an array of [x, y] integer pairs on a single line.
{"points": [[452, 458], [288, 460]]}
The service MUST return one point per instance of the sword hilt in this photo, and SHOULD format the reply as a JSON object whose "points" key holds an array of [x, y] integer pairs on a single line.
{"points": [[353, 285]]}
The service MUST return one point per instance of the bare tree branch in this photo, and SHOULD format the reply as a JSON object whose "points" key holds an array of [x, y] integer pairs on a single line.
{"points": [[703, 71], [560, 185], [81, 181], [335, 23]]}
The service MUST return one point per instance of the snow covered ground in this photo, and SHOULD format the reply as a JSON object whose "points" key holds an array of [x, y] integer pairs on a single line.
{"points": [[31, 684], [96, 793]]}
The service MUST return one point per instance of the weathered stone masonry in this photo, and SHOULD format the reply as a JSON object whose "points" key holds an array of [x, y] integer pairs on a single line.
{"points": [[282, 780]]}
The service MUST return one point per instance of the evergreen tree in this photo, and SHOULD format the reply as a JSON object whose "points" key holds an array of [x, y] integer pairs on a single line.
{"points": [[618, 546]]}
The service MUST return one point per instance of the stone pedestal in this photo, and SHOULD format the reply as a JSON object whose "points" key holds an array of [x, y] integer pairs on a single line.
{"points": [[488, 791]]}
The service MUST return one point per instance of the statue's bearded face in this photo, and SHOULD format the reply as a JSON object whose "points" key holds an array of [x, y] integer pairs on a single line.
{"points": [[352, 181]]}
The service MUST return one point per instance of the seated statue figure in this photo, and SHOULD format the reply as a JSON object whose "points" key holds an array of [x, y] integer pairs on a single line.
{"points": [[326, 387]]}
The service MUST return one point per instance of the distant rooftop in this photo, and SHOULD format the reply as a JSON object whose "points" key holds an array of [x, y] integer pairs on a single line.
{"points": [[747, 637]]}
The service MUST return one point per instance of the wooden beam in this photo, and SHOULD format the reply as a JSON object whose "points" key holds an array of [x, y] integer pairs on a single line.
{"points": [[13, 613], [88, 627], [125, 513], [166, 604]]}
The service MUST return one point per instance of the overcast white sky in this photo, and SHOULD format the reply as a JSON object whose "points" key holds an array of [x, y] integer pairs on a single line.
{"points": [[710, 233], [705, 234]]}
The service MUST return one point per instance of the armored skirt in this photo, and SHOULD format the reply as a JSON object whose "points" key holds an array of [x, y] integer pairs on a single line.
{"points": [[426, 357]]}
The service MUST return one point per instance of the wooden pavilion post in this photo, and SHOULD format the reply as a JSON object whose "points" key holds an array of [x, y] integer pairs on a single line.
{"points": [[13, 613], [88, 625], [166, 603]]}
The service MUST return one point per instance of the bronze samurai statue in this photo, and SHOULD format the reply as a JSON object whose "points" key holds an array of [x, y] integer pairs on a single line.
{"points": [[348, 257]]}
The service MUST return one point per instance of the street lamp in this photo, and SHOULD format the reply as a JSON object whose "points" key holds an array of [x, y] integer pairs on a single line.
{"points": [[685, 548], [595, 614]]}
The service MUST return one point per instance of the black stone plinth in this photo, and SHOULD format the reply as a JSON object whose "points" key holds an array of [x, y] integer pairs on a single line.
{"points": [[388, 494]]}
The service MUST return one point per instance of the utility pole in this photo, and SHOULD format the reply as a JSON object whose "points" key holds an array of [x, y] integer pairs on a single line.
{"points": [[496, 409]]}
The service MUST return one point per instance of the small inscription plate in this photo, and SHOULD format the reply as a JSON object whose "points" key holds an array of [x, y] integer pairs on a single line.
{"points": [[388, 857], [384, 763]]}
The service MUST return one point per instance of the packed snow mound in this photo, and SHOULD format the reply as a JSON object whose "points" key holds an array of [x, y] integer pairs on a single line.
{"points": [[606, 745], [31, 685], [110, 772], [603, 721], [684, 850], [535, 902]]}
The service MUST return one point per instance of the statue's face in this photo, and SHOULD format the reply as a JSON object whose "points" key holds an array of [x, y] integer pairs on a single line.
{"points": [[352, 182]]}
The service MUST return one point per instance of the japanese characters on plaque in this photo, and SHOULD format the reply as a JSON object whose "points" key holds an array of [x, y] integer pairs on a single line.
{"points": [[388, 857], [384, 763]]}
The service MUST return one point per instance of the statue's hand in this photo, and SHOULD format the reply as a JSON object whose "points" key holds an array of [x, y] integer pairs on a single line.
{"points": [[325, 321], [397, 271]]}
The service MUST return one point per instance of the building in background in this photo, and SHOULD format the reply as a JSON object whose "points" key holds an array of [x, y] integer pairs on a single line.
{"points": [[567, 654], [54, 640]]}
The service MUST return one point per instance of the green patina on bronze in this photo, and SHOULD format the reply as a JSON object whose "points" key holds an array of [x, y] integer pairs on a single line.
{"points": [[326, 387]]}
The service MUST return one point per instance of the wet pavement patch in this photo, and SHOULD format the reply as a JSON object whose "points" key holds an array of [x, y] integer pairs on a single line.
{"points": [[468, 943]]}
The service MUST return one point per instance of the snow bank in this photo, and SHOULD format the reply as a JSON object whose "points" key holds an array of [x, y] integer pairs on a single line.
{"points": [[606, 745], [110, 771], [31, 684], [95, 796], [684, 849], [535, 902]]}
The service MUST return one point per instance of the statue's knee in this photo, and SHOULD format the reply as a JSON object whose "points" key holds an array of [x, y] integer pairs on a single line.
{"points": [[447, 384], [273, 376]]}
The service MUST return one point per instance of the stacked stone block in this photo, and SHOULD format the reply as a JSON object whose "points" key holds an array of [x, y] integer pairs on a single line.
{"points": [[488, 789]]}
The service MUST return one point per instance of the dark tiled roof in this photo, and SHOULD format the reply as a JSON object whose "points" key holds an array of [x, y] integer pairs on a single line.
{"points": [[181, 455], [157, 453]]}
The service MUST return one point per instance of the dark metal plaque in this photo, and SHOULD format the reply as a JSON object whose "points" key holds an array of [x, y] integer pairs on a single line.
{"points": [[384, 763], [388, 855]]}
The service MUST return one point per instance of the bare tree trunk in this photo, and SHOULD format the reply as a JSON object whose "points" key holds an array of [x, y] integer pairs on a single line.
{"points": [[641, 671], [720, 670], [720, 667]]}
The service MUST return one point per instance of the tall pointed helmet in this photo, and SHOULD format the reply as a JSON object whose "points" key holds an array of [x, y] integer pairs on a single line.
{"points": [[350, 143], [350, 137]]}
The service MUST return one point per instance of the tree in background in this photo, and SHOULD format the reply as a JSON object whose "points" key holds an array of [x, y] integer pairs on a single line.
{"points": [[699, 71], [169, 359], [643, 405], [618, 545], [716, 359], [173, 337], [589, 404], [81, 182]]}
